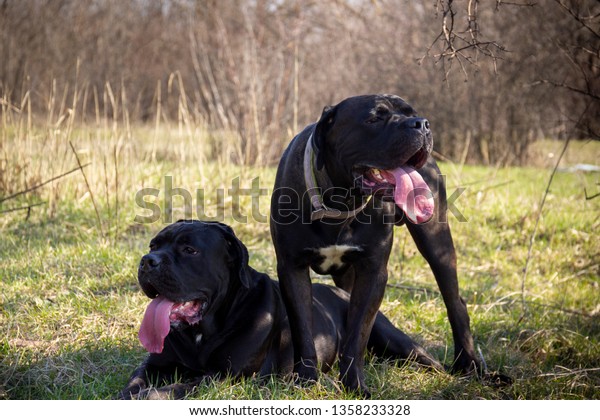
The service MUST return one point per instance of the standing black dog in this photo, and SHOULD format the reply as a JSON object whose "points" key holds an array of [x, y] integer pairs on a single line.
{"points": [[341, 186], [211, 314]]}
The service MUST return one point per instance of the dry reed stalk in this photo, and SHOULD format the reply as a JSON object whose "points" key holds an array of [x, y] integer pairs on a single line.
{"points": [[158, 97], [116, 168], [97, 108], [84, 104], [183, 110], [80, 167], [107, 193], [114, 105]]}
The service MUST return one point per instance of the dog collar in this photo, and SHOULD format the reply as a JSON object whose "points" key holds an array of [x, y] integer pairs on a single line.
{"points": [[320, 210]]}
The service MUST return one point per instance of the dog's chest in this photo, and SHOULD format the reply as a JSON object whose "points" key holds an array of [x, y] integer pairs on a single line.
{"points": [[334, 257]]}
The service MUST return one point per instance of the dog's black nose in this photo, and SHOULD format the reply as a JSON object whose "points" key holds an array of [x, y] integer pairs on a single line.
{"points": [[421, 124], [149, 262]]}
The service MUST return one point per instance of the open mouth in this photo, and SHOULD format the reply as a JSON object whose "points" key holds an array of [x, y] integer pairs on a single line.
{"points": [[161, 313], [378, 181], [403, 184], [190, 312]]}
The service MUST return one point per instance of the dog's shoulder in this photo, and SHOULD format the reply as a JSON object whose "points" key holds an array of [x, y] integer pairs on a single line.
{"points": [[264, 291]]}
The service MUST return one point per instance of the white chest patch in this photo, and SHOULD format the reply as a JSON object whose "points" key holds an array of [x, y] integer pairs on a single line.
{"points": [[332, 255]]}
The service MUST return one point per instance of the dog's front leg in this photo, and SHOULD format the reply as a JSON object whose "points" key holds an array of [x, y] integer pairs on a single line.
{"points": [[435, 244], [177, 391], [366, 297], [138, 381], [434, 241], [297, 294]]}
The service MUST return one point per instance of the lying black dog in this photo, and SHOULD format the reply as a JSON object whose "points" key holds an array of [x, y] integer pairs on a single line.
{"points": [[342, 184], [212, 314]]}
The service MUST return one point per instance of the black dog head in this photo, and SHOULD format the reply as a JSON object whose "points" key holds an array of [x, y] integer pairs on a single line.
{"points": [[375, 143], [190, 270]]}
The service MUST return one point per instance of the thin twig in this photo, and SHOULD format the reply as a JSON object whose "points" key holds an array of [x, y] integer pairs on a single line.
{"points": [[580, 19], [537, 222], [491, 187], [568, 372], [565, 310], [87, 184], [28, 207], [412, 288], [485, 367], [35, 187], [590, 197], [574, 89]]}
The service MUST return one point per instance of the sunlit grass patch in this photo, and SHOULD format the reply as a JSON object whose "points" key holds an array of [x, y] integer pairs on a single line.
{"points": [[70, 306]]}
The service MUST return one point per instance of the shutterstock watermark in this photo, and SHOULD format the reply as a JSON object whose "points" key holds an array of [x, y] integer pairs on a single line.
{"points": [[158, 204], [196, 205]]}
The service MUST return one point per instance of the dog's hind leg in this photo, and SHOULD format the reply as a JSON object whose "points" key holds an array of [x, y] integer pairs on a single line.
{"points": [[388, 341], [345, 281]]}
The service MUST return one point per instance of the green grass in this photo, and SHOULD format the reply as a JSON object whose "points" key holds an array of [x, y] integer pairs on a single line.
{"points": [[70, 306]]}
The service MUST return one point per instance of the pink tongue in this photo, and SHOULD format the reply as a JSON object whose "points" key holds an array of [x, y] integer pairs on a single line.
{"points": [[156, 324], [412, 194]]}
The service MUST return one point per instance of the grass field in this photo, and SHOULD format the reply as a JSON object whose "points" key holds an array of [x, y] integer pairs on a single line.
{"points": [[70, 305]]}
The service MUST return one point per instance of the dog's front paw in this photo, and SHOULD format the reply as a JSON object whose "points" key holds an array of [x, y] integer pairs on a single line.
{"points": [[355, 384], [168, 392], [467, 365], [306, 372], [146, 394], [164, 393], [131, 391], [353, 378]]}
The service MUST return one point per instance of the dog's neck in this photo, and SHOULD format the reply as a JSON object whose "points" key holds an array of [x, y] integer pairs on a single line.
{"points": [[318, 180]]}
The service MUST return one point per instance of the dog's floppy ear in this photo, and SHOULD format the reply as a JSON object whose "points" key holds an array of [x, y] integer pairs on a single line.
{"points": [[320, 134], [239, 251]]}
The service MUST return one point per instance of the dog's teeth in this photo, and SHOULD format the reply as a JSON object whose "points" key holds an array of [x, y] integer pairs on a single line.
{"points": [[377, 174]]}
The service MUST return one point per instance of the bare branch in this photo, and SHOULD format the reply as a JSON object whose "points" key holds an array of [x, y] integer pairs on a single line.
{"points": [[578, 18], [27, 207], [35, 187], [590, 197], [456, 45], [512, 3], [572, 89]]}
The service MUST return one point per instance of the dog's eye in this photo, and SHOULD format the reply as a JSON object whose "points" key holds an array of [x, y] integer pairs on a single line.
{"points": [[379, 114], [152, 246], [374, 119], [189, 250]]}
